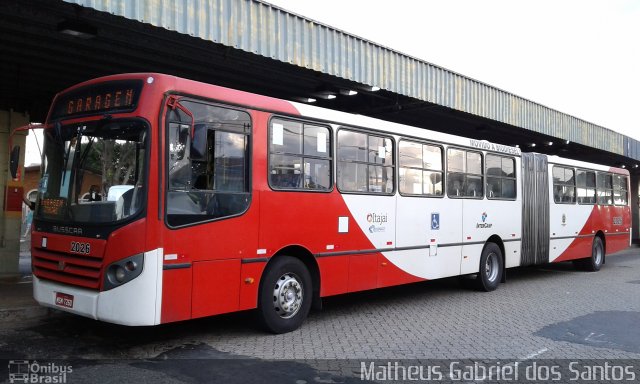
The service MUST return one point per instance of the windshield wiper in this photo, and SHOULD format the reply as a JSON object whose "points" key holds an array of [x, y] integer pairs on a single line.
{"points": [[79, 176], [66, 161], [85, 154], [77, 161]]}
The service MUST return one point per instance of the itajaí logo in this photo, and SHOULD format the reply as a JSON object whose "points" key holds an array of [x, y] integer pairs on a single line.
{"points": [[377, 219], [484, 223], [377, 222]]}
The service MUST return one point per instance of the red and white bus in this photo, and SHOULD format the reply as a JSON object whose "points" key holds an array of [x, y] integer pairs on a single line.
{"points": [[164, 199]]}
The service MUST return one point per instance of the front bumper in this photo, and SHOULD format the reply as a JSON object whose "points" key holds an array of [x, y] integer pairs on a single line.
{"points": [[137, 302]]}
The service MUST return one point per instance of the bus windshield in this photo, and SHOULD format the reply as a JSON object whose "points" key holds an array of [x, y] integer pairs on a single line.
{"points": [[93, 171]]}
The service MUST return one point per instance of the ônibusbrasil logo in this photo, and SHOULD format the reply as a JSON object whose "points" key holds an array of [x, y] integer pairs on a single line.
{"points": [[25, 371]]}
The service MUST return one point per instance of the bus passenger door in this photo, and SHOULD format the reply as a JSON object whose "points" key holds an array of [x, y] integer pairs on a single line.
{"points": [[375, 217], [211, 215], [428, 234], [429, 218]]}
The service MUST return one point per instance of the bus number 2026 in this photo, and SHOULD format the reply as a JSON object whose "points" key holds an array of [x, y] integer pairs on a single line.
{"points": [[83, 248]]}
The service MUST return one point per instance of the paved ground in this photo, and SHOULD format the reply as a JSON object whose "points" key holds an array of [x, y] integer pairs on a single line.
{"points": [[551, 313]]}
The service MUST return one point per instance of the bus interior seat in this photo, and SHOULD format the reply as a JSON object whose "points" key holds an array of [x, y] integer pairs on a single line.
{"points": [[322, 177], [569, 196], [457, 187], [126, 197], [472, 189], [200, 182], [286, 180], [508, 190], [226, 204], [180, 203], [122, 200]]}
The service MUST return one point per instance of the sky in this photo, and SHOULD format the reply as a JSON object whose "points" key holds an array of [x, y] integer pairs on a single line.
{"points": [[580, 57]]}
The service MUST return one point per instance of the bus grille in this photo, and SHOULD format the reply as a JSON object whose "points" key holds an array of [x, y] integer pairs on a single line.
{"points": [[79, 270]]}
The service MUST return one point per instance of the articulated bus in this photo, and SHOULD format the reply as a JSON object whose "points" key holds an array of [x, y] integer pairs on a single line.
{"points": [[164, 199]]}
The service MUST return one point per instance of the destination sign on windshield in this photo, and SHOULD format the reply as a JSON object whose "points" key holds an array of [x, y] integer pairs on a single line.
{"points": [[111, 97]]}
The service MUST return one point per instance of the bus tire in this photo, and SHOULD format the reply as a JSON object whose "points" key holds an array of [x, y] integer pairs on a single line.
{"points": [[593, 263], [491, 268], [285, 295]]}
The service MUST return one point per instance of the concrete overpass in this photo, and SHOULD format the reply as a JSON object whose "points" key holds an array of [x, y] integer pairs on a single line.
{"points": [[48, 45]]}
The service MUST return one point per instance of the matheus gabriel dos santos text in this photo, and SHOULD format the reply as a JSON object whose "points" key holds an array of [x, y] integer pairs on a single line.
{"points": [[508, 371]]}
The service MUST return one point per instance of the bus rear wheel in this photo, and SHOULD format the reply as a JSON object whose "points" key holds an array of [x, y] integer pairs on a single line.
{"points": [[593, 263], [491, 263], [285, 295]]}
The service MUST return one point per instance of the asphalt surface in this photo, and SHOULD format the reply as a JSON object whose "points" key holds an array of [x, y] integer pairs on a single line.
{"points": [[548, 314]]}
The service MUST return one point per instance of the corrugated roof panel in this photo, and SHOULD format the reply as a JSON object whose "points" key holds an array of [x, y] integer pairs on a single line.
{"points": [[266, 30]]}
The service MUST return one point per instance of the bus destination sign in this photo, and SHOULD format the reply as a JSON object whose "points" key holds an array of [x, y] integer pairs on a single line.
{"points": [[111, 97], [53, 207]]}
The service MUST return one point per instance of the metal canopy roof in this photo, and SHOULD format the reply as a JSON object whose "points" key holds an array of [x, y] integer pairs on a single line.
{"points": [[254, 46]]}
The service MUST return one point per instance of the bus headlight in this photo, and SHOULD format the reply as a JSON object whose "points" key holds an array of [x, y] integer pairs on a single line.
{"points": [[120, 274], [123, 271]]}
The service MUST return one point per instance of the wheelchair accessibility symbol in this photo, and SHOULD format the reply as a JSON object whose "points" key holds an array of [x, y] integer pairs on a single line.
{"points": [[435, 221]]}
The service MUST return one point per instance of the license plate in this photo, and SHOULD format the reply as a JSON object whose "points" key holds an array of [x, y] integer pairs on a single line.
{"points": [[64, 300]]}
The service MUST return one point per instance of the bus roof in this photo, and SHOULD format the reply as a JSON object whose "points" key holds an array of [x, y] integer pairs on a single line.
{"points": [[169, 83]]}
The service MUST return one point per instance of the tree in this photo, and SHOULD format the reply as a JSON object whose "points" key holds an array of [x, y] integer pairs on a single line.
{"points": [[115, 160]]}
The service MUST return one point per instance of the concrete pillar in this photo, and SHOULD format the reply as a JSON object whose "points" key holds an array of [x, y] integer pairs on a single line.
{"points": [[10, 221], [635, 209]]}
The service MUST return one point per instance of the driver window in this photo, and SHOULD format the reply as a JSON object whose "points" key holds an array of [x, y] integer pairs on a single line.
{"points": [[208, 163]]}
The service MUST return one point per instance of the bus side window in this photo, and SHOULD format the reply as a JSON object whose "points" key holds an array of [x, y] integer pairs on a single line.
{"points": [[604, 188], [299, 155], [586, 183], [365, 162], [620, 190], [420, 168], [564, 185], [501, 177], [465, 173], [179, 165]]}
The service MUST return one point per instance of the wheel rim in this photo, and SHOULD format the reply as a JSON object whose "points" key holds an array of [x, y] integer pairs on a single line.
{"points": [[491, 267], [287, 295], [597, 254]]}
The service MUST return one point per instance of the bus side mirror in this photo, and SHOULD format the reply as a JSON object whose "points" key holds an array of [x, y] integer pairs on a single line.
{"points": [[30, 200], [14, 161]]}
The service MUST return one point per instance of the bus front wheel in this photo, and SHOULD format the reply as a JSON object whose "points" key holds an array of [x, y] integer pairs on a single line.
{"points": [[490, 273], [285, 295]]}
